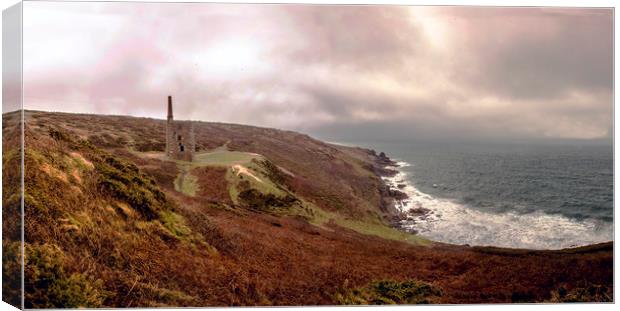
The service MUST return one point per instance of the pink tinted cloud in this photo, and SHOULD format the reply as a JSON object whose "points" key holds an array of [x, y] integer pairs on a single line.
{"points": [[455, 70]]}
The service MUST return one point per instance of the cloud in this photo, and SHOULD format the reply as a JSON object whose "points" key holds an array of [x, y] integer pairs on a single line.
{"points": [[335, 71], [538, 53]]}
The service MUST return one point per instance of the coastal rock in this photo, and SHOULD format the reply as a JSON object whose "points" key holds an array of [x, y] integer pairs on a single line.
{"points": [[398, 195], [385, 172], [384, 160], [419, 211]]}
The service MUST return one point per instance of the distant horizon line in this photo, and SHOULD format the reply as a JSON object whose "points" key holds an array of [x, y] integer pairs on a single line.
{"points": [[605, 141], [143, 117]]}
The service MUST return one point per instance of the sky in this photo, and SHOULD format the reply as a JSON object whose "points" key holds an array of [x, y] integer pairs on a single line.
{"points": [[336, 72]]}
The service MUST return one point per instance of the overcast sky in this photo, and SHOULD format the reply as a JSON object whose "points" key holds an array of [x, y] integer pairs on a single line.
{"points": [[338, 72]]}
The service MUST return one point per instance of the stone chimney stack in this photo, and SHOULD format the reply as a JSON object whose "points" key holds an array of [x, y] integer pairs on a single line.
{"points": [[180, 139], [169, 130], [170, 108]]}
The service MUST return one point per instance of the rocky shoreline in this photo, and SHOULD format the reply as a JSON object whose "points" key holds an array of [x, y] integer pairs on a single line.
{"points": [[394, 201], [409, 210]]}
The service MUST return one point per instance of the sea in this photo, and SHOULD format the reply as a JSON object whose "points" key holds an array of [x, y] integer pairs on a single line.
{"points": [[535, 196]]}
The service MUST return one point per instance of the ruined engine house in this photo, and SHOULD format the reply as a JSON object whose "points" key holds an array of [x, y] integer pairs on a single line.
{"points": [[180, 141]]}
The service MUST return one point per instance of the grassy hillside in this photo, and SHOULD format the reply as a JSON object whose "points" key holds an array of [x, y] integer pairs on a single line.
{"points": [[263, 217]]}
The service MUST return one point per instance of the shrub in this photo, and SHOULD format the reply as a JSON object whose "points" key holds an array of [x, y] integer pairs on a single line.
{"points": [[271, 171], [59, 135], [390, 292], [150, 146], [48, 285], [587, 293], [261, 201], [125, 181], [11, 272]]}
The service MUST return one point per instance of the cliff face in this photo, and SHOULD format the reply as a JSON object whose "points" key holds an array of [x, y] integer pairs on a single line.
{"points": [[260, 217]]}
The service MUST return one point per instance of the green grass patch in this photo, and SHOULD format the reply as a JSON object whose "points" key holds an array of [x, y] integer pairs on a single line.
{"points": [[175, 223], [381, 230], [268, 184], [374, 227], [186, 182], [217, 157], [232, 188], [388, 292], [255, 185], [225, 158]]}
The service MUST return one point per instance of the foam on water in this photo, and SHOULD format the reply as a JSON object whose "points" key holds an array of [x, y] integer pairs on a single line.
{"points": [[452, 222]]}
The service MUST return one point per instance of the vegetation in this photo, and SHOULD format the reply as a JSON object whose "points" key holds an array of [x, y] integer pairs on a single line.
{"points": [[49, 285], [368, 227], [224, 158], [186, 182], [11, 210], [277, 219], [380, 230], [257, 200], [11, 272], [587, 293], [125, 182], [114, 217], [390, 292]]}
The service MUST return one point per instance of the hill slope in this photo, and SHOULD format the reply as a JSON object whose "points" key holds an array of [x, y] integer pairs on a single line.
{"points": [[263, 217]]}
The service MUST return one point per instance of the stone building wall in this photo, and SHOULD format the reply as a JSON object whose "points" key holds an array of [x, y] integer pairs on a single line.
{"points": [[180, 140]]}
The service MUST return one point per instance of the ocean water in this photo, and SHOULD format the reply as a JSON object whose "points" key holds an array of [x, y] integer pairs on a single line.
{"points": [[511, 195]]}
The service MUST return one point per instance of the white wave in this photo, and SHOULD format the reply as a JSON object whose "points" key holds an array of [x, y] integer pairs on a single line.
{"points": [[451, 222], [403, 163]]}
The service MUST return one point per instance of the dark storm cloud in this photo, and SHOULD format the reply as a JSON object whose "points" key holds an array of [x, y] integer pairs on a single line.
{"points": [[365, 70]]}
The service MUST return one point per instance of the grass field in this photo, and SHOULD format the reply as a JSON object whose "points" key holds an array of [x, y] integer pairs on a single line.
{"points": [[224, 158], [373, 227], [214, 158], [186, 182]]}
